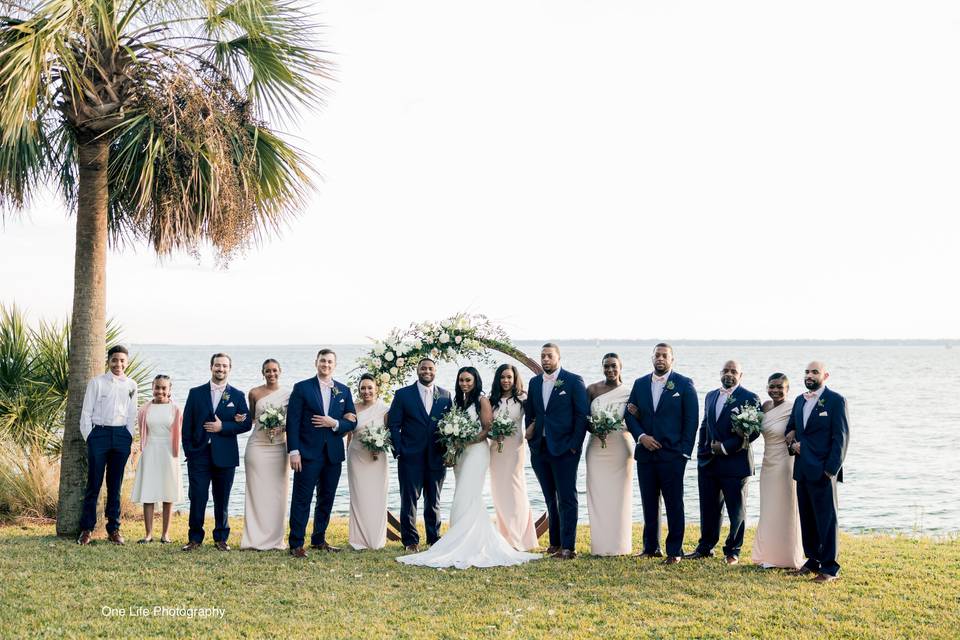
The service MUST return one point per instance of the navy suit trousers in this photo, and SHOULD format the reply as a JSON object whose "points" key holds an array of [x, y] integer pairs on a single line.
{"points": [[416, 478], [558, 481], [202, 473], [107, 451], [817, 503], [665, 479], [715, 491], [324, 476]]}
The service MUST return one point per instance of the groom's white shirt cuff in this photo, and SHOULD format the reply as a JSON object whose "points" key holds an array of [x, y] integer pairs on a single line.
{"points": [[295, 452]]}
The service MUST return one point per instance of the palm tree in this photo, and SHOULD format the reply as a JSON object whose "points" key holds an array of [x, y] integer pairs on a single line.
{"points": [[149, 117]]}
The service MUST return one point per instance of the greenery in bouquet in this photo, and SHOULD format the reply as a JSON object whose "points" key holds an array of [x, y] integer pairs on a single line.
{"points": [[746, 420], [375, 439], [273, 420], [455, 431], [605, 421], [503, 427]]}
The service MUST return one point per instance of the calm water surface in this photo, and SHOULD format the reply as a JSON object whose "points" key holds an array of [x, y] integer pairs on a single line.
{"points": [[900, 473]]}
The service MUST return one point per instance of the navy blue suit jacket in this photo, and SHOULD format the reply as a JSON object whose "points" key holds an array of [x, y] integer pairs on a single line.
{"points": [[411, 429], [563, 425], [674, 422], [738, 462], [223, 444], [823, 441], [315, 442]]}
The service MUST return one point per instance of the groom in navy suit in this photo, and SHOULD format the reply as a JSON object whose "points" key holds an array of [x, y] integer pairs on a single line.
{"points": [[557, 411], [214, 414], [818, 433], [413, 418], [724, 464], [320, 413], [662, 415]]}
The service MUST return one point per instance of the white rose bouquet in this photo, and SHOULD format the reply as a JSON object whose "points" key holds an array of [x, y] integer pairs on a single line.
{"points": [[502, 427], [455, 431], [375, 439], [746, 420], [273, 420], [605, 421]]}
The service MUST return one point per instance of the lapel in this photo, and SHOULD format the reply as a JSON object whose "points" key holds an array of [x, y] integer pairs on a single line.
{"points": [[315, 386], [712, 409], [798, 414], [535, 394], [557, 388], [434, 406], [729, 403], [415, 393], [209, 399], [646, 393]]}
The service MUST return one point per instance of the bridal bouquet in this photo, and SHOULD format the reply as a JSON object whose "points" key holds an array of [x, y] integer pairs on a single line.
{"points": [[375, 439], [605, 421], [746, 420], [501, 428], [273, 418], [455, 431]]}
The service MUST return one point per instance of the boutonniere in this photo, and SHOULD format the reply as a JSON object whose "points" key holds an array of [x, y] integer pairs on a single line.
{"points": [[821, 403], [335, 391], [730, 399], [132, 391], [670, 385], [225, 397], [558, 384], [436, 395]]}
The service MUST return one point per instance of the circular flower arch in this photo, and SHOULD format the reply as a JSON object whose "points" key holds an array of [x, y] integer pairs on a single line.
{"points": [[393, 359]]}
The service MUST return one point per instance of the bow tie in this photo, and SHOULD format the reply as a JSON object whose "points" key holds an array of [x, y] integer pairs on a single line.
{"points": [[726, 392], [810, 395], [550, 377], [326, 385], [215, 387], [662, 378]]}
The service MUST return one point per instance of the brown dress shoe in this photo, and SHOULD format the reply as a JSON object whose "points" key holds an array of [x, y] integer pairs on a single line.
{"points": [[696, 555], [298, 552], [802, 571], [325, 547], [566, 554], [190, 546], [671, 560], [221, 546], [116, 538], [644, 555], [732, 559], [84, 538], [413, 548], [824, 577], [552, 550]]}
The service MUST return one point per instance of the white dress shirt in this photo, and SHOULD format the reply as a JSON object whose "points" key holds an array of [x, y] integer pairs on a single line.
{"points": [[325, 393], [548, 386], [656, 387], [718, 408], [109, 401], [426, 396], [810, 403], [216, 394]]}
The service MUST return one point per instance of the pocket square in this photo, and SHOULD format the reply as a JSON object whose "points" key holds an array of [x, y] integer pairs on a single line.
{"points": [[676, 395], [341, 401], [562, 393], [230, 404], [822, 413]]}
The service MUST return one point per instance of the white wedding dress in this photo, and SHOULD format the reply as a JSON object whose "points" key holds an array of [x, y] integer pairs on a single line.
{"points": [[472, 539]]}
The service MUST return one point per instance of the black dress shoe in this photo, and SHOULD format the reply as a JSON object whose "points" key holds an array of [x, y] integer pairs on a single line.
{"points": [[671, 560], [190, 546], [802, 571], [566, 554], [697, 555], [323, 546], [552, 550], [646, 555]]}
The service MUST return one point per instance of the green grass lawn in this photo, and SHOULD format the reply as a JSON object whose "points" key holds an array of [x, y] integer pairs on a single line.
{"points": [[893, 587]]}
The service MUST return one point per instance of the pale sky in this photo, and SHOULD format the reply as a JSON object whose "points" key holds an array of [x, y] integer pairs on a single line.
{"points": [[588, 169]]}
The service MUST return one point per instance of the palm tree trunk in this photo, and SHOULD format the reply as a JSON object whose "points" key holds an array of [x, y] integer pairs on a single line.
{"points": [[87, 325]]}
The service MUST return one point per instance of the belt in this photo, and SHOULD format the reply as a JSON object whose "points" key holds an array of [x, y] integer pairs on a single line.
{"points": [[111, 426]]}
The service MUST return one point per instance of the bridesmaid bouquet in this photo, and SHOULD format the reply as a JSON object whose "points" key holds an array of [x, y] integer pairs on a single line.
{"points": [[273, 418], [605, 421], [375, 439], [747, 420], [455, 431], [501, 428]]}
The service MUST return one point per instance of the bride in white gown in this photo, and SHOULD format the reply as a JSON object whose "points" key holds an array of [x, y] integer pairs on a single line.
{"points": [[472, 540]]}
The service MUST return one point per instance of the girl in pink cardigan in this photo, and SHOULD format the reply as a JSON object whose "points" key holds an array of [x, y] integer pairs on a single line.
{"points": [[158, 476]]}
